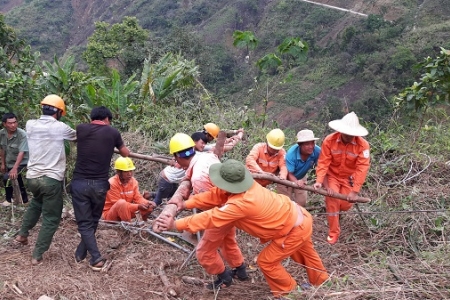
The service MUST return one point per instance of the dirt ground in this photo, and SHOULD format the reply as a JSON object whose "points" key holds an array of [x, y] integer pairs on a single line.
{"points": [[364, 265], [396, 248]]}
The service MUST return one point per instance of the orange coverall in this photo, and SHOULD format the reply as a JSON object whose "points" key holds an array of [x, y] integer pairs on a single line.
{"points": [[260, 160], [270, 217], [338, 162], [122, 201], [223, 238]]}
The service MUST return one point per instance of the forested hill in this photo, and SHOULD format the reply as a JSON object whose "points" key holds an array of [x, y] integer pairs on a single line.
{"points": [[354, 62]]}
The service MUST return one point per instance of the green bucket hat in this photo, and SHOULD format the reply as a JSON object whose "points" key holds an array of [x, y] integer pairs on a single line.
{"points": [[231, 176]]}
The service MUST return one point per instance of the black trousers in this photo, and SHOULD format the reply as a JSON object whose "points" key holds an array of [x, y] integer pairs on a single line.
{"points": [[9, 189]]}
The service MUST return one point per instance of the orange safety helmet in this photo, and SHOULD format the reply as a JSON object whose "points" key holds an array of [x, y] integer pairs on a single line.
{"points": [[55, 101], [212, 129]]}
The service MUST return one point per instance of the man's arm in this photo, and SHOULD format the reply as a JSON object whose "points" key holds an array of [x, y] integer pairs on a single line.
{"points": [[2, 156], [13, 172], [206, 200], [323, 162], [251, 160], [362, 168], [282, 165], [124, 151]]}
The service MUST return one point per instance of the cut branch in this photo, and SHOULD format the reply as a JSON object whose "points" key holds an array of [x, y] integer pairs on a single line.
{"points": [[157, 158], [273, 178], [164, 279]]}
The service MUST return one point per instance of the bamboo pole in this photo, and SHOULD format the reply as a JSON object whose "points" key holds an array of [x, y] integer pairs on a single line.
{"points": [[273, 178]]}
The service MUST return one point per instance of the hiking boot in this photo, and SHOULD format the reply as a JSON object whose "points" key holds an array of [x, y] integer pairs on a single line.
{"points": [[224, 279], [240, 272], [332, 239]]}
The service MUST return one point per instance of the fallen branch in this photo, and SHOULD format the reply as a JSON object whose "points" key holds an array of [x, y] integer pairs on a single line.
{"points": [[164, 279], [192, 280], [383, 290], [16, 191], [273, 178], [157, 158]]}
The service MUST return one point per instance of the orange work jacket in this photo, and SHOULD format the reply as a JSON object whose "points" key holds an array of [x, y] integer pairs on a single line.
{"points": [[260, 160], [129, 192], [341, 160], [258, 211]]}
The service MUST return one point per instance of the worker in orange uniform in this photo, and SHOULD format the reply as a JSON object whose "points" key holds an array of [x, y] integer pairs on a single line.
{"points": [[220, 238], [211, 131], [123, 199], [268, 157], [342, 168], [237, 200]]}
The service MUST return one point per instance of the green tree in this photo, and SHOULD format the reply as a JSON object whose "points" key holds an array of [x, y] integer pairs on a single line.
{"points": [[61, 78], [432, 88], [245, 39], [19, 72], [122, 46], [294, 49]]}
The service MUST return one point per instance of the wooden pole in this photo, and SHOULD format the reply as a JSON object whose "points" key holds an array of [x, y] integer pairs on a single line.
{"points": [[157, 158], [273, 178], [16, 191], [182, 193], [220, 143]]}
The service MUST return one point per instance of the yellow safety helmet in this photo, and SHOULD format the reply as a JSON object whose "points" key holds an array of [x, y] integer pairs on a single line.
{"points": [[275, 139], [55, 101], [124, 164], [212, 129], [180, 142]]}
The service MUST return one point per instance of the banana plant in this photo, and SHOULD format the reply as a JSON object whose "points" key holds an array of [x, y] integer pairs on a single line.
{"points": [[171, 74]]}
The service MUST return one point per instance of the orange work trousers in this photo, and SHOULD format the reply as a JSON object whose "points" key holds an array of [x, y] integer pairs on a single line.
{"points": [[297, 245], [223, 239], [334, 205], [123, 211]]}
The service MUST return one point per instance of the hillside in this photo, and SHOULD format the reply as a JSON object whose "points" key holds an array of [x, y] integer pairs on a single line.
{"points": [[354, 63]]}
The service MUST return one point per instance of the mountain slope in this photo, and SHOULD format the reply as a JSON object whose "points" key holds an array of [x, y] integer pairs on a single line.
{"points": [[354, 62]]}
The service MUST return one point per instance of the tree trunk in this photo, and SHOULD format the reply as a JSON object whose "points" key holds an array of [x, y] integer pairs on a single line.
{"points": [[273, 178], [183, 192]]}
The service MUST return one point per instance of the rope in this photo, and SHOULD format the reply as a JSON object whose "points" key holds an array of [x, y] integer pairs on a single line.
{"points": [[384, 212]]}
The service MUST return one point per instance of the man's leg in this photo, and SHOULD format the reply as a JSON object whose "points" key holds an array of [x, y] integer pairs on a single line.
{"points": [[284, 190], [207, 250], [8, 187], [165, 189], [306, 254], [52, 204], [120, 211], [23, 190], [229, 248], [82, 195], [33, 213]]}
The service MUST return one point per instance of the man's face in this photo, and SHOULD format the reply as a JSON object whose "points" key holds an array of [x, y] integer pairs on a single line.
{"points": [[125, 176], [209, 137], [10, 125], [199, 145], [183, 162], [272, 151], [307, 148], [347, 138]]}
